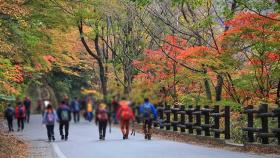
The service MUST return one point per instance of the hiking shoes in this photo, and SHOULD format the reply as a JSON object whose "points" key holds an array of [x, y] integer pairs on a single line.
{"points": [[149, 137]]}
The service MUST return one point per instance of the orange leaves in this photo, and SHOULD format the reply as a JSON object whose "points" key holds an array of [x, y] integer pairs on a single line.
{"points": [[15, 74], [8, 88], [196, 51], [38, 67], [161, 63], [269, 57], [49, 58], [253, 26], [252, 20], [273, 56], [18, 74]]}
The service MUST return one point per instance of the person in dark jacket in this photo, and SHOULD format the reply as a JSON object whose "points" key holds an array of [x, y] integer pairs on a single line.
{"points": [[115, 105], [9, 115], [49, 120], [64, 117], [27, 104], [102, 118], [75, 107]]}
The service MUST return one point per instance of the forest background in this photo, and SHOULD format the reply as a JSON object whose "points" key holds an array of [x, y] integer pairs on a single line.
{"points": [[194, 52]]}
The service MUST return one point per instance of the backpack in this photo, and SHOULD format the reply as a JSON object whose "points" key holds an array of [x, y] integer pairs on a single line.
{"points": [[64, 115], [76, 106], [147, 111], [9, 113], [50, 117], [102, 115], [21, 111], [126, 114], [27, 104]]}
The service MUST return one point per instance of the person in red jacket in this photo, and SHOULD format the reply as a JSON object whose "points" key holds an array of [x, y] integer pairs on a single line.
{"points": [[20, 113], [125, 114]]}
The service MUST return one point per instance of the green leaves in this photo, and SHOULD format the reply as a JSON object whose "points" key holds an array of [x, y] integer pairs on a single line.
{"points": [[141, 2]]}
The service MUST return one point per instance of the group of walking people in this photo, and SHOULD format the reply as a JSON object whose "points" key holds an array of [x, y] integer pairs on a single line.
{"points": [[125, 115], [21, 112], [122, 113]]}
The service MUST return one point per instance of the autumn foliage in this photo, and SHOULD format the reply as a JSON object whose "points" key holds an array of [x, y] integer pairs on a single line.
{"points": [[252, 41]]}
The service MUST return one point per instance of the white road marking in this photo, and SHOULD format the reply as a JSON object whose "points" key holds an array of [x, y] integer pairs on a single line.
{"points": [[58, 152]]}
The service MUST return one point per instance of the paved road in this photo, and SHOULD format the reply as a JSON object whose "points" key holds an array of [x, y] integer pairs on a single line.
{"points": [[83, 143]]}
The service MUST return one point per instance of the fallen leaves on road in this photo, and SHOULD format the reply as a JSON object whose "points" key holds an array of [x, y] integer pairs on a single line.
{"points": [[212, 142], [10, 145]]}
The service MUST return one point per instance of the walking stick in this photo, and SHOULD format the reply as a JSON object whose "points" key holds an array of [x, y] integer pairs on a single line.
{"points": [[133, 130], [110, 125], [110, 130]]}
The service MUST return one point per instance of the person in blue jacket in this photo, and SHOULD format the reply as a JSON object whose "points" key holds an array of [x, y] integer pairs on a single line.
{"points": [[64, 117], [148, 113], [75, 107]]}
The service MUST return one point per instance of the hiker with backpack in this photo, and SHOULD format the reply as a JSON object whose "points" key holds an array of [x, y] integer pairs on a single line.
{"points": [[115, 106], [75, 107], [27, 104], [148, 113], [9, 115], [102, 118], [64, 117], [49, 120], [125, 114], [89, 109], [20, 114]]}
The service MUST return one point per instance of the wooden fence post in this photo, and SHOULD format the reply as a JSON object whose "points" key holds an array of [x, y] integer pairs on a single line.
{"points": [[183, 118], [264, 121], [198, 120], [190, 117], [250, 117], [277, 130], [160, 113], [207, 120], [167, 112], [175, 119], [216, 121], [227, 122]]}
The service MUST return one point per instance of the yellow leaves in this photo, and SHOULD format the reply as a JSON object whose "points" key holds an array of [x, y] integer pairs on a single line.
{"points": [[5, 47], [14, 9]]}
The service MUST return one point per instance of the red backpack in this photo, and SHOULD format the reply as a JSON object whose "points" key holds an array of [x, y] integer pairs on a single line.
{"points": [[102, 115], [126, 114]]}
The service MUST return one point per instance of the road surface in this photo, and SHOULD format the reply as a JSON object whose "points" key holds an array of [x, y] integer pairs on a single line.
{"points": [[84, 143]]}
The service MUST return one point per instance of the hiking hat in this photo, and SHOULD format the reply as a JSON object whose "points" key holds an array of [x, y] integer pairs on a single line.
{"points": [[102, 106], [124, 103]]}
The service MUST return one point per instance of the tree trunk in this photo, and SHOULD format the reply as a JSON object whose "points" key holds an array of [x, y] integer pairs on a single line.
{"points": [[207, 86], [219, 87], [278, 93], [128, 47], [97, 57], [208, 90], [103, 80], [127, 70], [102, 70]]}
